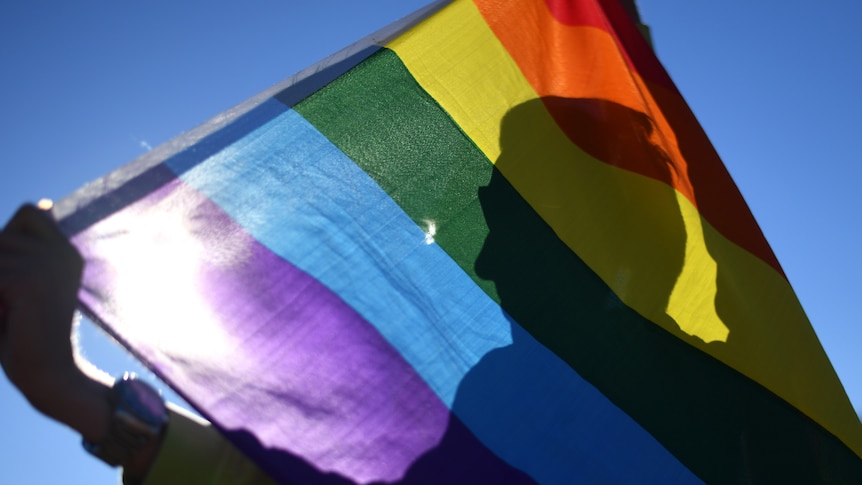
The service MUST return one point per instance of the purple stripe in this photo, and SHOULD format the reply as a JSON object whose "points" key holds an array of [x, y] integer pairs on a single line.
{"points": [[278, 362]]}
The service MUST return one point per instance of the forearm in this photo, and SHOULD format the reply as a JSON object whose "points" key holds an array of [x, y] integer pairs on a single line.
{"points": [[80, 400]]}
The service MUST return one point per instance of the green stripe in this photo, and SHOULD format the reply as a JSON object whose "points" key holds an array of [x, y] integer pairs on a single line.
{"points": [[723, 426]]}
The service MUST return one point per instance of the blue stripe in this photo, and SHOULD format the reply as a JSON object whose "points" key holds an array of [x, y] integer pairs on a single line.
{"points": [[297, 194]]}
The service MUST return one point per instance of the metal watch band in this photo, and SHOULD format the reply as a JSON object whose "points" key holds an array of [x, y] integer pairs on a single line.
{"points": [[138, 416]]}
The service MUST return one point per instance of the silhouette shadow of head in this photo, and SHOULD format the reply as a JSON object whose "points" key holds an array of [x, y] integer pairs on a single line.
{"points": [[539, 201], [569, 196], [557, 194]]}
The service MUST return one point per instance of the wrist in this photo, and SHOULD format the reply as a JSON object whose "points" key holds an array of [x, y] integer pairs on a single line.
{"points": [[81, 402]]}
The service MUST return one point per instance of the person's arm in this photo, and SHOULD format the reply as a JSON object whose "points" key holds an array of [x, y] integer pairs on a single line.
{"points": [[40, 272]]}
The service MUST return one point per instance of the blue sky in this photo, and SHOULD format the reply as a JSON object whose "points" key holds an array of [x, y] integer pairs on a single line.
{"points": [[87, 86]]}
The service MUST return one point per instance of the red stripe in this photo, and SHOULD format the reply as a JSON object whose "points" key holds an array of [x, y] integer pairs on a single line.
{"points": [[611, 16]]}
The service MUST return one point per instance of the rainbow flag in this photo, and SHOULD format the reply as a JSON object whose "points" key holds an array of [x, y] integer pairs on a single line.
{"points": [[488, 244]]}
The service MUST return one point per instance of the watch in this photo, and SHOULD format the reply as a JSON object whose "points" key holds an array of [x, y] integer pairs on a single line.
{"points": [[138, 416]]}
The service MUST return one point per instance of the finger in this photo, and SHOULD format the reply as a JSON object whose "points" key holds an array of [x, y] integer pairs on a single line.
{"points": [[17, 251], [33, 221], [11, 243]]}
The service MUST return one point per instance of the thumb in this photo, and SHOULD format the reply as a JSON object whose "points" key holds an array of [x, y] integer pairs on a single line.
{"points": [[32, 221]]}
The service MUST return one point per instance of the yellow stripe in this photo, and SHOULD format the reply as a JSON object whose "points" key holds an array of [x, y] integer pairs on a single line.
{"points": [[643, 238]]}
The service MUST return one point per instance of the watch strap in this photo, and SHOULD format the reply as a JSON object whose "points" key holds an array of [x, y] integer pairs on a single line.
{"points": [[132, 424]]}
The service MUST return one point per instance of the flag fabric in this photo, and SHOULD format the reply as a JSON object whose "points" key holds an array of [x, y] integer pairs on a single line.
{"points": [[488, 244]]}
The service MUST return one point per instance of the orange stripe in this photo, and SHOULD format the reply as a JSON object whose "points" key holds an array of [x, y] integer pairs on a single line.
{"points": [[585, 62]]}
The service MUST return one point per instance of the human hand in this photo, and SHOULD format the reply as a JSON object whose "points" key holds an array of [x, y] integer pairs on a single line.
{"points": [[40, 272]]}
